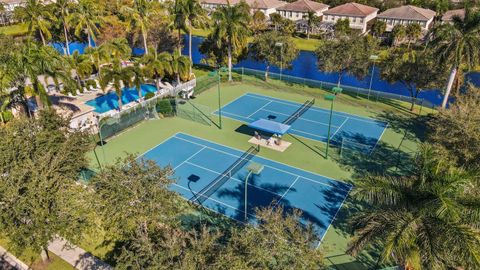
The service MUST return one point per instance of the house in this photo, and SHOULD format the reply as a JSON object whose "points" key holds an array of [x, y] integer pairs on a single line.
{"points": [[10, 5], [299, 9], [448, 16], [358, 15], [266, 6], [407, 15]]}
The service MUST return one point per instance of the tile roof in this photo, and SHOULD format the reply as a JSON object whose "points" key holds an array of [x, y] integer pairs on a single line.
{"points": [[408, 13], [351, 9], [448, 16], [304, 6]]}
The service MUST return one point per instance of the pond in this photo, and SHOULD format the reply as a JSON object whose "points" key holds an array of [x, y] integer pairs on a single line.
{"points": [[305, 66]]}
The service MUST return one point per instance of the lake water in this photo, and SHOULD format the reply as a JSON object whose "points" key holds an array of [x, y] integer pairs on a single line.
{"points": [[305, 66]]}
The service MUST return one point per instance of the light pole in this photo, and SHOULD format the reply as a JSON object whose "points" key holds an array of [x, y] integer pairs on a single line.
{"points": [[217, 73], [374, 58], [331, 97], [253, 168], [280, 45]]}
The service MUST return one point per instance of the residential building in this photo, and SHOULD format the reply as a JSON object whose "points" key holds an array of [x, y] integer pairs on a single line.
{"points": [[407, 15], [448, 16], [299, 9], [357, 14], [266, 6]]}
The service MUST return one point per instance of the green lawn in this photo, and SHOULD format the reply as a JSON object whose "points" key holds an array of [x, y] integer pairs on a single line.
{"points": [[397, 144], [302, 43], [33, 259], [14, 29]]}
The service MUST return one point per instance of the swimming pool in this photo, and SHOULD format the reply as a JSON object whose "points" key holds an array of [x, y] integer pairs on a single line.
{"points": [[109, 101]]}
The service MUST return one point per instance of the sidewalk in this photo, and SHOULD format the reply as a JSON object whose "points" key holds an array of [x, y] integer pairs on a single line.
{"points": [[77, 257], [11, 260]]}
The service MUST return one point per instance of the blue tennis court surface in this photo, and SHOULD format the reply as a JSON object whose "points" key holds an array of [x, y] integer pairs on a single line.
{"points": [[198, 162], [313, 124]]}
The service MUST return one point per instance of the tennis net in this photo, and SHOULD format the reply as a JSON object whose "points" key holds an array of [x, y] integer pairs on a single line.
{"points": [[208, 190], [299, 112]]}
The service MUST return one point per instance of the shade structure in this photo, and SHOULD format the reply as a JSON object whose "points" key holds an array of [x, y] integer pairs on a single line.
{"points": [[269, 126]]}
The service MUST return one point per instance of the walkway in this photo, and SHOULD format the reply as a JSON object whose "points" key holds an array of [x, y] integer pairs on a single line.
{"points": [[77, 257], [7, 257]]}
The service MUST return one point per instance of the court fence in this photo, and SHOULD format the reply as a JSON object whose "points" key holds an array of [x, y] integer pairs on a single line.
{"points": [[258, 76]]}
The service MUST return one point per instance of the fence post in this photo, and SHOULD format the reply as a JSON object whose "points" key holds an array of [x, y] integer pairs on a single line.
{"points": [[421, 107], [242, 75]]}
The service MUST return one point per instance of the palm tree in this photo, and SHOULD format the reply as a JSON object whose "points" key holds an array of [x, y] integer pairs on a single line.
{"points": [[139, 16], [116, 48], [189, 15], [456, 45], [62, 12], [413, 31], [398, 34], [157, 65], [426, 220], [311, 20], [181, 67], [119, 76], [86, 18], [36, 62], [138, 72], [231, 29], [38, 18], [82, 65]]}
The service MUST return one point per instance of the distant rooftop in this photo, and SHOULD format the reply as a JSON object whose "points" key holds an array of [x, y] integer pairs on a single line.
{"points": [[259, 4], [304, 6], [408, 13], [351, 9], [448, 16]]}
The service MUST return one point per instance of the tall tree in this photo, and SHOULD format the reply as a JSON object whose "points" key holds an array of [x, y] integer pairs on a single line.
{"points": [[346, 56], [274, 49], [398, 34], [342, 28], [426, 220], [133, 195], [157, 65], [61, 11], [311, 19], [82, 67], [417, 71], [139, 17], [413, 32], [181, 67], [118, 76], [231, 29], [138, 72], [189, 15], [456, 130], [456, 45], [38, 18], [379, 27], [117, 48], [40, 161], [259, 22], [86, 18]]}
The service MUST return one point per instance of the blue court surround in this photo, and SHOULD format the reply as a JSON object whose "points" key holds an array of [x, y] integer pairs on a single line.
{"points": [[358, 131], [197, 162]]}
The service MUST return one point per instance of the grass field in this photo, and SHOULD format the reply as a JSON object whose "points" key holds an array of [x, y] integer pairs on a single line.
{"points": [[14, 29], [398, 143], [34, 260]]}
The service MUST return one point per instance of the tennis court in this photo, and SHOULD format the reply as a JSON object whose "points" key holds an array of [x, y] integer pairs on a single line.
{"points": [[313, 124], [198, 163]]}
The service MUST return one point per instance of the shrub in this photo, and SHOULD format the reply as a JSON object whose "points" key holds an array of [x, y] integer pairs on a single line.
{"points": [[149, 95], [6, 116], [164, 107]]}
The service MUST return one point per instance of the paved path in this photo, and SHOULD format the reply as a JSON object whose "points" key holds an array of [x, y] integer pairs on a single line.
{"points": [[77, 257], [11, 260]]}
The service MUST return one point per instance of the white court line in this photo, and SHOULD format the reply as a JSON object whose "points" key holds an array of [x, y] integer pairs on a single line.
{"points": [[315, 108], [236, 179], [274, 168], [381, 135], [211, 209], [260, 109], [296, 179], [333, 219], [340, 127], [190, 157]]}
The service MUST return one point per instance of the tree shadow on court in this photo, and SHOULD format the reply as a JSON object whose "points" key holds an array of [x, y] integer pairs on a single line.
{"points": [[413, 127]]}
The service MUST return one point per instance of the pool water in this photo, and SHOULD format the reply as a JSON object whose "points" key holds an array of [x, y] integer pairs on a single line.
{"points": [[109, 101]]}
